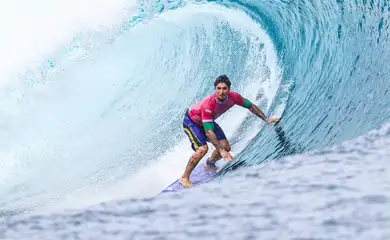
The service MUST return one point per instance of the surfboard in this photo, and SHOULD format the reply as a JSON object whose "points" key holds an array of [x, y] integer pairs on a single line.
{"points": [[199, 175]]}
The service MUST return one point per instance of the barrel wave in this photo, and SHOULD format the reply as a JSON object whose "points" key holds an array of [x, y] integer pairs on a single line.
{"points": [[91, 125]]}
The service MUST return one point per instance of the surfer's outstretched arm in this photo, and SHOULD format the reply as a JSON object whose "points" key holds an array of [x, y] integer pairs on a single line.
{"points": [[257, 111]]}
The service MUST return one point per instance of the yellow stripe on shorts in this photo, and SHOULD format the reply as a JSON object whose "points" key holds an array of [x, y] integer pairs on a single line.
{"points": [[191, 137]]}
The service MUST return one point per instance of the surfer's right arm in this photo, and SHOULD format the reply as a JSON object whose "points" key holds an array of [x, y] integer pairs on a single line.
{"points": [[214, 140], [208, 125]]}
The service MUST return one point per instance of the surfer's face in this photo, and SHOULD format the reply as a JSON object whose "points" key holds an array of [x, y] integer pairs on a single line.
{"points": [[221, 91]]}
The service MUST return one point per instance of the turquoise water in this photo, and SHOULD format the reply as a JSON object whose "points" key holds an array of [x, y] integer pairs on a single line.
{"points": [[92, 134]]}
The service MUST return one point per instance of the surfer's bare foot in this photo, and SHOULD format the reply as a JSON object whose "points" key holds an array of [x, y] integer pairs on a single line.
{"points": [[185, 182], [209, 167]]}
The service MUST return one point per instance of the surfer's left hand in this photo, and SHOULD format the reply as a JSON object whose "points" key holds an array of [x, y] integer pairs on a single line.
{"points": [[273, 119]]}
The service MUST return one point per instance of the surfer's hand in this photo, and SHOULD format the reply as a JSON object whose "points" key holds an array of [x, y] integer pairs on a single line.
{"points": [[273, 119], [225, 155]]}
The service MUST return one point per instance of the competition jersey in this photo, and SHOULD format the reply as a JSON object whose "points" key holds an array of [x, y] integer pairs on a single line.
{"points": [[210, 108]]}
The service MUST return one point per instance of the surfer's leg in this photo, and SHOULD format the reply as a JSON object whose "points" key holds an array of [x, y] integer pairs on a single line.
{"points": [[194, 160], [197, 137]]}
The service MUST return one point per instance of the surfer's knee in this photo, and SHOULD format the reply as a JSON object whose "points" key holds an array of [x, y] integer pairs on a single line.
{"points": [[225, 144], [199, 154], [203, 150]]}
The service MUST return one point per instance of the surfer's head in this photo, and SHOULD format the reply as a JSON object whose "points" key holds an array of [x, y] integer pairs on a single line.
{"points": [[222, 87], [222, 79]]}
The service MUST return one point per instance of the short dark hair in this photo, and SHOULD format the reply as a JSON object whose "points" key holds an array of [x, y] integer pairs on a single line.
{"points": [[222, 79]]}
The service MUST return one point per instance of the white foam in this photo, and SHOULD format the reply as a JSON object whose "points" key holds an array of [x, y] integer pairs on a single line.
{"points": [[32, 29]]}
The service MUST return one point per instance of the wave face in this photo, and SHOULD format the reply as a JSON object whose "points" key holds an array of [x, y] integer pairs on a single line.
{"points": [[92, 113]]}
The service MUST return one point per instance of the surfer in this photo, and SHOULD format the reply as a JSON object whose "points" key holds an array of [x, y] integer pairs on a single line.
{"points": [[200, 126]]}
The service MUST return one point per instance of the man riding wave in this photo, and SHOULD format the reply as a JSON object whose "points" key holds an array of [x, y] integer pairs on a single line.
{"points": [[200, 126]]}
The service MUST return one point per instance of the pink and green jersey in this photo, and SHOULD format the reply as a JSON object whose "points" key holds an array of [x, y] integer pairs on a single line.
{"points": [[210, 108]]}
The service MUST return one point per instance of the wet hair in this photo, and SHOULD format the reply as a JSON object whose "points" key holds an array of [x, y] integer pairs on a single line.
{"points": [[222, 79]]}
